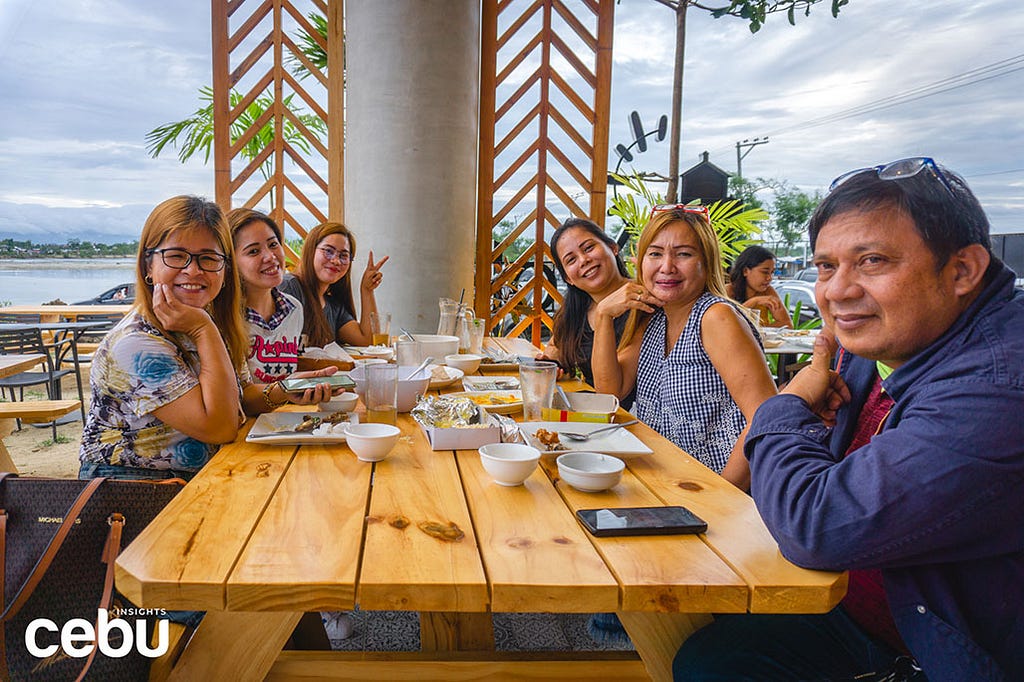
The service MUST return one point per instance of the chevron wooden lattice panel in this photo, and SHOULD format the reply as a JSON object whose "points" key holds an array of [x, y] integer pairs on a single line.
{"points": [[545, 90], [273, 100]]}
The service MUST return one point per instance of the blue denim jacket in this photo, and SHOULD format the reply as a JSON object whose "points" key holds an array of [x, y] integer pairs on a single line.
{"points": [[936, 500]]}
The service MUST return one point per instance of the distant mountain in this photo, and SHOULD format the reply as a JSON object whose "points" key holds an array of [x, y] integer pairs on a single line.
{"points": [[43, 224]]}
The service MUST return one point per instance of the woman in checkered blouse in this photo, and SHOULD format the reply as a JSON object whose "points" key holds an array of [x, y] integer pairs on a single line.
{"points": [[694, 360]]}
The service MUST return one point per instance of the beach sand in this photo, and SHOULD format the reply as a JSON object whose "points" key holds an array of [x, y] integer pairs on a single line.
{"points": [[32, 450]]}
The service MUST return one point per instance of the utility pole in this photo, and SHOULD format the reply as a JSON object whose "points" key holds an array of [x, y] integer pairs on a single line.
{"points": [[747, 145]]}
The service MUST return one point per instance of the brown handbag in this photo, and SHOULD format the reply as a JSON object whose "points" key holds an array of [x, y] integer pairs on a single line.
{"points": [[58, 542]]}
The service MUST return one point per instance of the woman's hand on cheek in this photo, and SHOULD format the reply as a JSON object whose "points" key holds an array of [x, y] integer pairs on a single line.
{"points": [[174, 315], [630, 296]]}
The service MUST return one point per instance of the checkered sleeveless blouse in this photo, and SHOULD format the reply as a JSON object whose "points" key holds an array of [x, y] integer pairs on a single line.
{"points": [[682, 396]]}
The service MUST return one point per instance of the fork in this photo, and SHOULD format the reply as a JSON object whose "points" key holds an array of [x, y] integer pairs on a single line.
{"points": [[579, 437]]}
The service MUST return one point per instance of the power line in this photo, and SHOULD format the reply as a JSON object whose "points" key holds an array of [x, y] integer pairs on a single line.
{"points": [[971, 77]]}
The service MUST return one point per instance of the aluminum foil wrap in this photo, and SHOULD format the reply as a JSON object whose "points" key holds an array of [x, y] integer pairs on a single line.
{"points": [[445, 411]]}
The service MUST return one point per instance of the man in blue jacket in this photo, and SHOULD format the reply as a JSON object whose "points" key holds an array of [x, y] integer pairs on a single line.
{"points": [[905, 464]]}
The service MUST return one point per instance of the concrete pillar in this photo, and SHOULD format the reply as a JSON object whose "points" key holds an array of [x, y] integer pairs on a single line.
{"points": [[412, 117]]}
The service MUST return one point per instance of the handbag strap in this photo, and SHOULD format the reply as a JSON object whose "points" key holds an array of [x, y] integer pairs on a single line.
{"points": [[41, 566], [111, 549], [25, 591]]}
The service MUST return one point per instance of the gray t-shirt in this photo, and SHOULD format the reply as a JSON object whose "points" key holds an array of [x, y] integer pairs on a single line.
{"points": [[337, 315]]}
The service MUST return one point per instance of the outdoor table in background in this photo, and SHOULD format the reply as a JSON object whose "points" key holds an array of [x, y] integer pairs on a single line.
{"points": [[55, 313], [9, 366], [266, 532], [62, 331]]}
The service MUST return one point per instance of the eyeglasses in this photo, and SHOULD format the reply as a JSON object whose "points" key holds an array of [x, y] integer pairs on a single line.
{"points": [[179, 259], [898, 170], [684, 208], [333, 254]]}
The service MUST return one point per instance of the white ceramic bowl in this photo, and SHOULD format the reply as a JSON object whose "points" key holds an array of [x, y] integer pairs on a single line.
{"points": [[509, 464], [408, 390], [466, 362], [589, 471], [371, 442], [437, 346], [379, 352], [344, 402]]}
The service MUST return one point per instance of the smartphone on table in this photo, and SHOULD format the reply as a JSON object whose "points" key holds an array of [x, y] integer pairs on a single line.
{"points": [[641, 521], [292, 385]]}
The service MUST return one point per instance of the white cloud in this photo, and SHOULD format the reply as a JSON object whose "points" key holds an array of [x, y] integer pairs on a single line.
{"points": [[84, 84]]}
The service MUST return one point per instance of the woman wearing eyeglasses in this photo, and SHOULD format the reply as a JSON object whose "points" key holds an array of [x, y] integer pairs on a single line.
{"points": [[693, 359], [169, 382], [323, 282]]}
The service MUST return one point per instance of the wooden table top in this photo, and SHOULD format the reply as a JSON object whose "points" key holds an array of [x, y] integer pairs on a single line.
{"points": [[311, 528], [13, 364], [52, 313]]}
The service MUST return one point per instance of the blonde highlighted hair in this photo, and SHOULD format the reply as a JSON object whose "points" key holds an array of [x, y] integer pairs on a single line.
{"points": [[180, 214], [710, 255]]}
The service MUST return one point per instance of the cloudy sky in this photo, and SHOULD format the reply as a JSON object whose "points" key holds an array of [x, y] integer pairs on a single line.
{"points": [[84, 81]]}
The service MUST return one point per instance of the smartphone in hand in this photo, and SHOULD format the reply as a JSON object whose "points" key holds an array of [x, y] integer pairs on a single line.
{"points": [[292, 385]]}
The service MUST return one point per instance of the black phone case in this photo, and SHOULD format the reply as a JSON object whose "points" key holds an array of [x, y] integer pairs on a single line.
{"points": [[692, 525]]}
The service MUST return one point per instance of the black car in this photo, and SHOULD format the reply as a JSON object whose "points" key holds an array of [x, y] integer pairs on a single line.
{"points": [[122, 293]]}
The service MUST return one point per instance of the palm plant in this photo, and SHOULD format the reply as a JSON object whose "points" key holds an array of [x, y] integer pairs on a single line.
{"points": [[194, 134], [733, 221]]}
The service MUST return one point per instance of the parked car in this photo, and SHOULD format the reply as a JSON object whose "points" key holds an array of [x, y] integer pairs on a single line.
{"points": [[807, 275], [122, 293], [798, 291]]}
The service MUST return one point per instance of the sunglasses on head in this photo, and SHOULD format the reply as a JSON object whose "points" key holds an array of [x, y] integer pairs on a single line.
{"points": [[682, 208], [899, 170]]}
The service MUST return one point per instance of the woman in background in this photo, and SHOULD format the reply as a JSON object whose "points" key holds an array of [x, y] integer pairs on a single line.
{"points": [[750, 283], [694, 360], [323, 282], [274, 318], [169, 382]]}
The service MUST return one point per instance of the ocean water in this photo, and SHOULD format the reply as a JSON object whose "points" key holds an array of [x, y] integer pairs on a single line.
{"points": [[35, 281]]}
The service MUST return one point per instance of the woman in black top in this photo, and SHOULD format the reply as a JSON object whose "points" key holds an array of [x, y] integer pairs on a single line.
{"points": [[588, 260]]}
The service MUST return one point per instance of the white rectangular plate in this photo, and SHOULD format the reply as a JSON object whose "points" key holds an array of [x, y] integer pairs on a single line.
{"points": [[269, 422], [486, 384], [619, 442]]}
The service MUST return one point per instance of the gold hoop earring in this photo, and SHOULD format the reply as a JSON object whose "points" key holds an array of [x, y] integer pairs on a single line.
{"points": [[148, 279]]}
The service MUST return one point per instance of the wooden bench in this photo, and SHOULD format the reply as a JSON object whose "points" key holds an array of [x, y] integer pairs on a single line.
{"points": [[29, 411]]}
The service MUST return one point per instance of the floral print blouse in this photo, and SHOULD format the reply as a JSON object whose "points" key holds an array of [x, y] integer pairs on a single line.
{"points": [[137, 369]]}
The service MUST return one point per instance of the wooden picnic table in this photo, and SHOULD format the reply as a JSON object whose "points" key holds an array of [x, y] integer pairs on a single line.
{"points": [[266, 532], [33, 410], [56, 313]]}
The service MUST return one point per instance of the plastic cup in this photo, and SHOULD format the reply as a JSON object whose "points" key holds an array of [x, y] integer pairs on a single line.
{"points": [[408, 352], [537, 382], [382, 393], [477, 327], [380, 328]]}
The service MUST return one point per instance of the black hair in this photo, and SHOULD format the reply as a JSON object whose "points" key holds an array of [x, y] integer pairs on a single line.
{"points": [[751, 257], [571, 318], [947, 215]]}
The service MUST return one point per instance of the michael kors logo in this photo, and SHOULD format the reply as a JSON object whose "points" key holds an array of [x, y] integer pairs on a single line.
{"points": [[54, 519]]}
